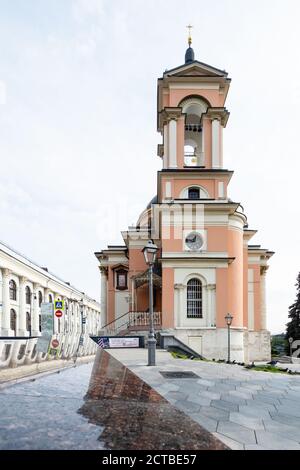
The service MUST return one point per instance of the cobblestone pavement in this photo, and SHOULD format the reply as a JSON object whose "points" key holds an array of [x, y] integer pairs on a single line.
{"points": [[43, 413], [244, 409]]}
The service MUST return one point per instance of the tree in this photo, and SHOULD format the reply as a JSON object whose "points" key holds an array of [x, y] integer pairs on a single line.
{"points": [[293, 326]]}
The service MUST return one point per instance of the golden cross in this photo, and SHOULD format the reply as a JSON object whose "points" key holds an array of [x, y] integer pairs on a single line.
{"points": [[190, 37]]}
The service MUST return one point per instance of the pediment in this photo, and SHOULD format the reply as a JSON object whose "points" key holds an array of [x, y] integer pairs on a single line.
{"points": [[195, 69]]}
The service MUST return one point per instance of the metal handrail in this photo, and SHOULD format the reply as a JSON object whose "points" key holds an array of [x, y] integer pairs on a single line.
{"points": [[113, 321]]}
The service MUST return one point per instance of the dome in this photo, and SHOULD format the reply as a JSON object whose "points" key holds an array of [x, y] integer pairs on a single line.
{"points": [[189, 55], [144, 218], [153, 201]]}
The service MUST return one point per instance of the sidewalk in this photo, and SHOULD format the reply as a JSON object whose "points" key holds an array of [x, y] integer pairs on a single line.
{"points": [[244, 409]]}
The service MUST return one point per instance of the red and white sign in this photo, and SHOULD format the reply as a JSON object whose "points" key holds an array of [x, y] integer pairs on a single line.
{"points": [[58, 313], [55, 343]]}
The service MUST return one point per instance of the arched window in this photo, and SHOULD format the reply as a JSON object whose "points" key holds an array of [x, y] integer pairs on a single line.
{"points": [[28, 295], [194, 193], [28, 322], [13, 321], [40, 298], [194, 107], [12, 290], [194, 298], [50, 299]]}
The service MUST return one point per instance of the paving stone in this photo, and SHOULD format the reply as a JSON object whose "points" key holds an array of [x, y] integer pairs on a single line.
{"points": [[289, 410], [176, 395], [272, 441], [234, 445], [245, 420], [286, 430], [245, 395], [254, 411], [210, 395], [200, 400], [187, 406], [233, 399], [250, 386], [271, 393], [263, 405], [224, 405], [207, 383], [236, 432], [208, 423], [285, 419], [254, 447], [222, 387], [266, 399], [217, 414]]}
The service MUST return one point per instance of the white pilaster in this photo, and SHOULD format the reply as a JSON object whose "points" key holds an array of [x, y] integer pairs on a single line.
{"points": [[35, 311], [22, 308], [216, 143], [168, 192], [250, 299], [263, 312], [173, 143], [5, 326], [178, 300], [166, 146], [211, 314], [103, 296]]}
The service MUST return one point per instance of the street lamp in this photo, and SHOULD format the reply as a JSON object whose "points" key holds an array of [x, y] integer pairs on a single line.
{"points": [[228, 319], [149, 252]]}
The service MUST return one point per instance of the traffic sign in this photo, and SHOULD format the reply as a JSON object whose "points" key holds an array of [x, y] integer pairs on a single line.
{"points": [[59, 304], [55, 343], [58, 313]]}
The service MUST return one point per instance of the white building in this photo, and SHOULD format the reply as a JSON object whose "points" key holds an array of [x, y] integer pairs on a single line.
{"points": [[24, 286]]}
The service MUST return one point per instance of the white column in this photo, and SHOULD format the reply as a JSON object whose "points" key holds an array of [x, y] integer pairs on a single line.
{"points": [[5, 326], [215, 143], [22, 308], [178, 301], [202, 154], [173, 143], [35, 331], [166, 146], [263, 311], [103, 296], [250, 299], [211, 314]]}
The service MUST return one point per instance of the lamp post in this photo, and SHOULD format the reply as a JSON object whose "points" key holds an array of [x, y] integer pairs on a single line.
{"points": [[228, 319], [149, 252]]}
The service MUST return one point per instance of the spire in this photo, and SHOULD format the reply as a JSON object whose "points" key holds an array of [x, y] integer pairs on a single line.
{"points": [[189, 55]]}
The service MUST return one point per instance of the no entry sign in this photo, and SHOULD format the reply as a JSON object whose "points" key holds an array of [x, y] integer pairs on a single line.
{"points": [[55, 343], [58, 313]]}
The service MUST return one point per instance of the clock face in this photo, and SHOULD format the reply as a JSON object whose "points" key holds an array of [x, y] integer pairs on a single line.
{"points": [[194, 241]]}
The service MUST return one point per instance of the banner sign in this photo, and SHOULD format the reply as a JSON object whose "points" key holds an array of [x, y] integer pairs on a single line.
{"points": [[111, 342], [47, 327]]}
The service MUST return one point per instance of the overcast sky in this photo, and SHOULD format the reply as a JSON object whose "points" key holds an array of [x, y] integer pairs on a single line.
{"points": [[78, 123]]}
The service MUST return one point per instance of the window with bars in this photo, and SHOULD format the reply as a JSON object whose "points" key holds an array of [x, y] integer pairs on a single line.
{"points": [[12, 290], [194, 298], [28, 322], [13, 321], [194, 193], [28, 295]]}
